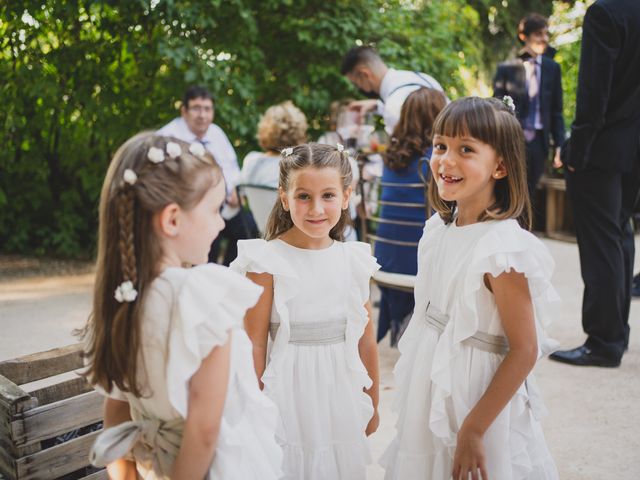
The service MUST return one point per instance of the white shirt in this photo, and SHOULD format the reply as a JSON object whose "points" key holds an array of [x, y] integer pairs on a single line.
{"points": [[215, 140], [394, 90], [218, 144], [261, 169]]}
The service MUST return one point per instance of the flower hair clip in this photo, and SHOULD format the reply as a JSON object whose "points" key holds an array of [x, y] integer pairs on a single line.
{"points": [[125, 292], [340, 147], [173, 150], [508, 101], [197, 149], [155, 155], [130, 176], [287, 151]]}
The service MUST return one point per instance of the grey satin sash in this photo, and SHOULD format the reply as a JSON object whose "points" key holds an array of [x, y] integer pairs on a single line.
{"points": [[492, 344], [313, 333], [146, 441]]}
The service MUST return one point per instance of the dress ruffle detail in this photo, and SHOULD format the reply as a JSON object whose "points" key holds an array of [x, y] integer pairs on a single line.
{"points": [[211, 302], [363, 265], [502, 248]]}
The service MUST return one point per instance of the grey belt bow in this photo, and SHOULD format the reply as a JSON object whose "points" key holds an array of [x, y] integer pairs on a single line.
{"points": [[492, 344], [145, 440]]}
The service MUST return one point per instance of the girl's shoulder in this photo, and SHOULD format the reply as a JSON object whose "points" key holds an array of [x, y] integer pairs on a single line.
{"points": [[359, 256]]}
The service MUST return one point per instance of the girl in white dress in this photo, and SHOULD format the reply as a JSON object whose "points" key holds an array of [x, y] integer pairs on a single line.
{"points": [[165, 343], [467, 403], [322, 366]]}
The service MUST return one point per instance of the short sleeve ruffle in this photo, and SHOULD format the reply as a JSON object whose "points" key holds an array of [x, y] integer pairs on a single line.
{"points": [[209, 301]]}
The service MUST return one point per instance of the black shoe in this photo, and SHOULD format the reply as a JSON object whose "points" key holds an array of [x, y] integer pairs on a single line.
{"points": [[635, 290], [584, 357]]}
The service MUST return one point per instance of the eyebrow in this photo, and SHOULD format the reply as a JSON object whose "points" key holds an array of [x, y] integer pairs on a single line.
{"points": [[299, 189]]}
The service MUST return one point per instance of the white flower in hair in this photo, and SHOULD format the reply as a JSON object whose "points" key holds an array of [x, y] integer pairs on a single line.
{"points": [[130, 176], [508, 101], [173, 149], [340, 147], [287, 151], [156, 155], [125, 292], [197, 149]]}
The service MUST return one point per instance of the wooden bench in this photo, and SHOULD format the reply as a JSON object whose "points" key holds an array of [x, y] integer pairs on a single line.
{"points": [[34, 419], [558, 217]]}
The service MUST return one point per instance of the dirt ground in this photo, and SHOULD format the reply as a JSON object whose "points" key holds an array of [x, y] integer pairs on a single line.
{"points": [[594, 421]]}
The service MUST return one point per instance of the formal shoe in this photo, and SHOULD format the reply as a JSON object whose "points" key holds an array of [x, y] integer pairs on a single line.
{"points": [[635, 290], [583, 356]]}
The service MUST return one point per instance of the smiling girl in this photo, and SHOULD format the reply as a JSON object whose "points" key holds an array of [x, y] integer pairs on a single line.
{"points": [[468, 406], [322, 367]]}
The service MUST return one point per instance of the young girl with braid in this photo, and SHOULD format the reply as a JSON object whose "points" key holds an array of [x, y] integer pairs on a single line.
{"points": [[322, 365], [165, 342]]}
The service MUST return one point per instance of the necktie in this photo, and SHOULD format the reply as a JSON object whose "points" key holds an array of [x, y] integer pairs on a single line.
{"points": [[532, 90]]}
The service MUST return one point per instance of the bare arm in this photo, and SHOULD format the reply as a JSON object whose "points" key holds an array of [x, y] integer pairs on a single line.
{"points": [[513, 299], [368, 349], [256, 322], [115, 413], [207, 393]]}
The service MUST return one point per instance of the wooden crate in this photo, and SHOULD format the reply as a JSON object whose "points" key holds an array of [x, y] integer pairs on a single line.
{"points": [[558, 213], [32, 422]]}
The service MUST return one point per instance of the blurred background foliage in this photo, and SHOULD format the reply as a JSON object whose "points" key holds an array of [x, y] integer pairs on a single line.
{"points": [[81, 76]]}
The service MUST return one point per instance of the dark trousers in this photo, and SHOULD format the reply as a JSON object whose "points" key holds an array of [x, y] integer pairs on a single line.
{"points": [[240, 227], [537, 153], [602, 203]]}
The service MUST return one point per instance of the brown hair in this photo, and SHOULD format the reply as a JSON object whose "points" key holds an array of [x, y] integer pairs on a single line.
{"points": [[129, 250], [490, 121], [413, 134], [309, 155], [282, 125]]}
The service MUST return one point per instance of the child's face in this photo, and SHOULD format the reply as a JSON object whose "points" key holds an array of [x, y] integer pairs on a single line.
{"points": [[465, 170], [315, 199], [199, 227], [536, 41]]}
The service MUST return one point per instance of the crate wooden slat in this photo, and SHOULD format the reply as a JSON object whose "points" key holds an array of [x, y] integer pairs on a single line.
{"points": [[57, 418], [28, 418], [36, 366], [58, 460], [559, 219]]}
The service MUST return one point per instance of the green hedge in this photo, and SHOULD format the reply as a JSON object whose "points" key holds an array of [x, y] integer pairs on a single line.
{"points": [[80, 77]]}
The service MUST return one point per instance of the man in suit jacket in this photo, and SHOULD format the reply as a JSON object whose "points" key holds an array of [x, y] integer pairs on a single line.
{"points": [[533, 81], [603, 176]]}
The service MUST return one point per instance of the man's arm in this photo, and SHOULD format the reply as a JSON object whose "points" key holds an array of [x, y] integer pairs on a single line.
{"points": [[599, 51], [500, 82]]}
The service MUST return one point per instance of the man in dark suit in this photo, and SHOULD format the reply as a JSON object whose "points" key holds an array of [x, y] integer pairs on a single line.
{"points": [[603, 176], [533, 81]]}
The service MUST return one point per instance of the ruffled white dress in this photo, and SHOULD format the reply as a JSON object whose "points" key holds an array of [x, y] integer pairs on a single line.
{"points": [[187, 313], [318, 387], [441, 376]]}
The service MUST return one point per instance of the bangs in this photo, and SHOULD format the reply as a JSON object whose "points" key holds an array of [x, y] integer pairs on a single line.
{"points": [[469, 117]]}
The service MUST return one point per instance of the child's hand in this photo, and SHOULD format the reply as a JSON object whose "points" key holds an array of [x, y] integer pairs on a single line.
{"points": [[374, 423], [469, 456]]}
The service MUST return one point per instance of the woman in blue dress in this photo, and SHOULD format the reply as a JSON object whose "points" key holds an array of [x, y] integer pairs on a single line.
{"points": [[411, 141]]}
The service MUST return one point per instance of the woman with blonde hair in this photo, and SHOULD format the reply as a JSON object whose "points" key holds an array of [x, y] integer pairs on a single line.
{"points": [[282, 125]]}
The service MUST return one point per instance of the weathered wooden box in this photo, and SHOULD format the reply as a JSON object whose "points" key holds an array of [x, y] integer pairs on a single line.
{"points": [[46, 432], [558, 214]]}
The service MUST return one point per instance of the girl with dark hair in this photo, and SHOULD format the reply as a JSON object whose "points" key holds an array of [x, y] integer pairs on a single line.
{"points": [[468, 404], [165, 343], [411, 141], [321, 368]]}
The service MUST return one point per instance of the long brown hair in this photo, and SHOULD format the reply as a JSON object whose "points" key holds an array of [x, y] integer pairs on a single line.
{"points": [[492, 122], [315, 155], [412, 135], [129, 250]]}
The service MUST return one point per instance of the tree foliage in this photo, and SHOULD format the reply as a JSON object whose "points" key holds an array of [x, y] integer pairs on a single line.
{"points": [[81, 76]]}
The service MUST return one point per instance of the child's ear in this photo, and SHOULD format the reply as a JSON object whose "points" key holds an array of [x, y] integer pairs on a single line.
{"points": [[283, 199], [168, 220], [500, 171], [347, 196]]}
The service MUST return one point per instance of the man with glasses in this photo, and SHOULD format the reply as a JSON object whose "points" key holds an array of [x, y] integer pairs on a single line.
{"points": [[195, 124]]}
